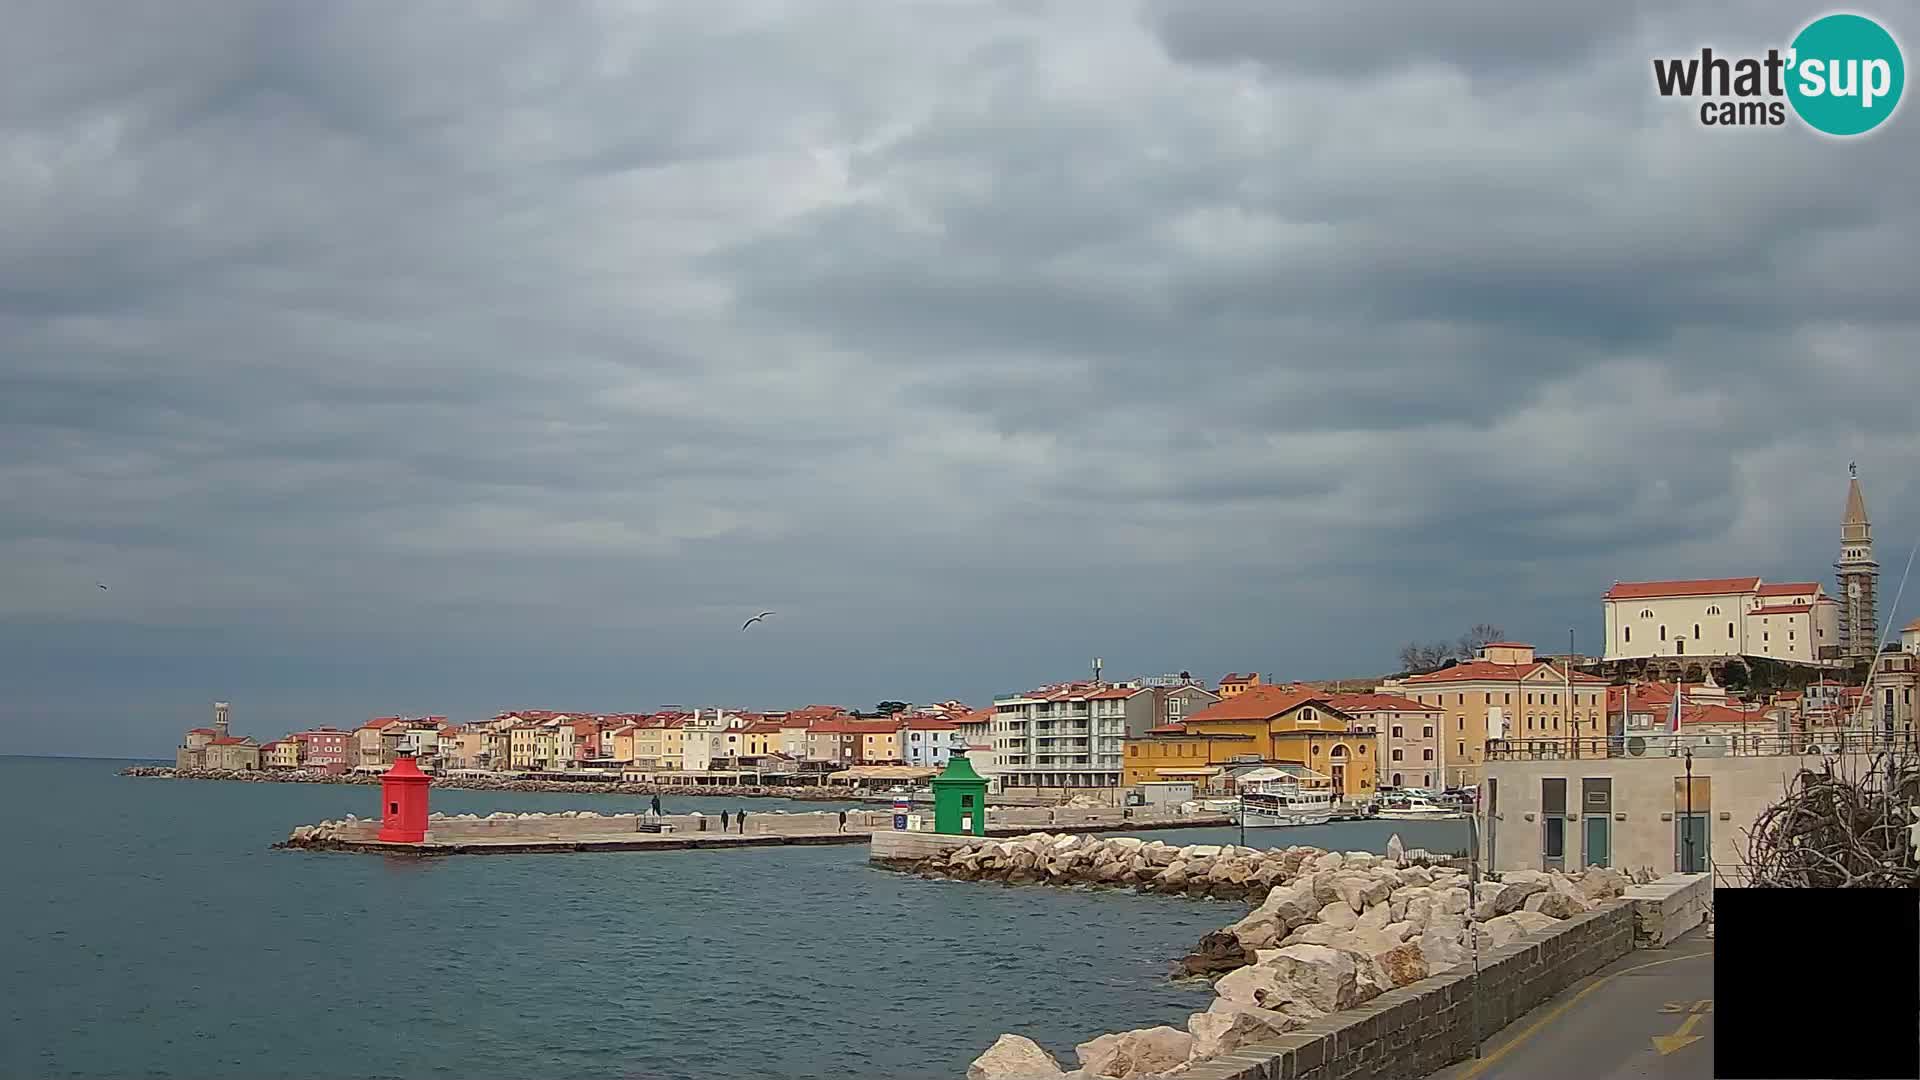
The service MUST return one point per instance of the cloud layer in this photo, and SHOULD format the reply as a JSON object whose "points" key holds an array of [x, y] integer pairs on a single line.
{"points": [[448, 358]]}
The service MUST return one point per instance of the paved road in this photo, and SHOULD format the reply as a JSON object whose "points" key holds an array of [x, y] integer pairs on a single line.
{"points": [[1647, 1015]]}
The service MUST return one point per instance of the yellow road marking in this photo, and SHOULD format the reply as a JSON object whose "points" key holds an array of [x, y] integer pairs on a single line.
{"points": [[1680, 1039], [1490, 1060]]}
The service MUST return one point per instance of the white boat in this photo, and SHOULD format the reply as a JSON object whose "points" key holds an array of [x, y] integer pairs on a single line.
{"points": [[1414, 808], [1287, 801]]}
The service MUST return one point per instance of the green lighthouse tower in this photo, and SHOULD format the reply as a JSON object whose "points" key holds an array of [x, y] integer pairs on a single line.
{"points": [[960, 799]]}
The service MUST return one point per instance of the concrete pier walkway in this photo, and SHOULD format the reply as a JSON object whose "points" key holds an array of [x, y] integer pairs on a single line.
{"points": [[1647, 1015], [512, 834]]}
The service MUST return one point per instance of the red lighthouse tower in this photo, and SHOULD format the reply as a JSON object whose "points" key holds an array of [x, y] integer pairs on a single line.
{"points": [[403, 803]]}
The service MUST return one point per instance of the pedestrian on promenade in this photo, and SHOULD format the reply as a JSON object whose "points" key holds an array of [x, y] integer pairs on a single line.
{"points": [[723, 821], [843, 821], [741, 817], [656, 806]]}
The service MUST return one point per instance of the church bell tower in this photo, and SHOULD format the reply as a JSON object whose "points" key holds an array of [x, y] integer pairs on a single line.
{"points": [[1858, 576]]}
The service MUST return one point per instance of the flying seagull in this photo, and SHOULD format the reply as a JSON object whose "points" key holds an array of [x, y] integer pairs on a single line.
{"points": [[755, 619], [102, 584]]}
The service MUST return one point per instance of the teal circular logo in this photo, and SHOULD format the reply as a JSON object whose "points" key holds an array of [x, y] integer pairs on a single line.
{"points": [[1846, 74]]}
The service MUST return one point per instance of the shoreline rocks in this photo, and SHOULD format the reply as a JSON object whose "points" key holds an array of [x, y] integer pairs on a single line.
{"points": [[481, 783], [1330, 931]]}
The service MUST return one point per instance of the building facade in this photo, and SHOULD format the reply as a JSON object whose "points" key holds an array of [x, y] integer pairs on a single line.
{"points": [[1071, 737], [1406, 736], [325, 748], [1632, 812], [1722, 617], [1268, 725], [233, 753], [1505, 694], [1233, 684], [931, 742]]}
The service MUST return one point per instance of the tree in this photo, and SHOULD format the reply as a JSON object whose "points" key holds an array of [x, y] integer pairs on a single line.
{"points": [[1418, 658], [888, 708], [1479, 637]]}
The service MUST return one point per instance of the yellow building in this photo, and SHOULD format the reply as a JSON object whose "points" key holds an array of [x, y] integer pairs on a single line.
{"points": [[1261, 725], [1506, 694], [760, 738], [880, 747], [619, 745], [660, 744], [280, 754], [1233, 685], [522, 746]]}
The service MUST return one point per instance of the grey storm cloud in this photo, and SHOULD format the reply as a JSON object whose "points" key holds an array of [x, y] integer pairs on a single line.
{"points": [[446, 357]]}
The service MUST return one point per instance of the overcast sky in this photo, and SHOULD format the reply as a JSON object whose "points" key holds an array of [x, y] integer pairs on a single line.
{"points": [[451, 357]]}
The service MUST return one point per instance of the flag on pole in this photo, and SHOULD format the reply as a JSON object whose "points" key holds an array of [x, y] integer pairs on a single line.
{"points": [[1673, 720]]}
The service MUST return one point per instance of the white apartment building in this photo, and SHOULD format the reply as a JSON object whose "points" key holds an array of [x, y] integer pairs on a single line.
{"points": [[1722, 617], [1072, 736]]}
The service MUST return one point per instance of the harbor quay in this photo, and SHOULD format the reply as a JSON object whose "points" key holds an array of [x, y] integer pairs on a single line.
{"points": [[583, 831]]}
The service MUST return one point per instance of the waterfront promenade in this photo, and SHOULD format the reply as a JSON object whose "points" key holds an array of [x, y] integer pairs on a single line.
{"points": [[1648, 1014]]}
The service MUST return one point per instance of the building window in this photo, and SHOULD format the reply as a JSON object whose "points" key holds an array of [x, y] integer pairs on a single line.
{"points": [[1462, 700], [1629, 632], [1462, 750], [1489, 700], [1396, 731], [1427, 754], [1729, 631], [1427, 732], [1506, 698], [1646, 613], [1696, 631], [1396, 756], [1663, 631], [1713, 609], [1396, 779]]}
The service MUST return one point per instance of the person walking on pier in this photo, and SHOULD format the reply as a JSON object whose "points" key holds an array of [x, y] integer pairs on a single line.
{"points": [[723, 821], [656, 805], [741, 817], [843, 821]]}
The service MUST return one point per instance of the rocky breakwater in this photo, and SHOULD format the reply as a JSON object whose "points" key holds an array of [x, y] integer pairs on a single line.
{"points": [[1330, 931], [333, 835]]}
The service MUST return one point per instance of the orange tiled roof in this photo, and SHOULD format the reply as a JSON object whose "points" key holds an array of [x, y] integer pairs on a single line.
{"points": [[931, 723], [1258, 703], [1789, 588], [1782, 609], [1649, 590], [1488, 671]]}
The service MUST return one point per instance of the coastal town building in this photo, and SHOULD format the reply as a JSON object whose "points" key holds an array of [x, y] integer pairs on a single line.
{"points": [[325, 748], [280, 754], [1544, 812], [233, 753], [192, 752], [1505, 694], [1795, 622], [1890, 705], [1069, 738], [1232, 684], [1407, 736], [1264, 725], [930, 742]]}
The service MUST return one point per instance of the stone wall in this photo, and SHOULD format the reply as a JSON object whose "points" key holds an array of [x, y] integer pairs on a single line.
{"points": [[1425, 1026], [1669, 907]]}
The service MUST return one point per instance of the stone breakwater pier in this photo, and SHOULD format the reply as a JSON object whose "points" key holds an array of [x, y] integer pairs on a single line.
{"points": [[585, 830], [1349, 965]]}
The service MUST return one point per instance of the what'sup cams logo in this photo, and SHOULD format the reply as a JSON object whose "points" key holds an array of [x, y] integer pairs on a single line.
{"points": [[1842, 75]]}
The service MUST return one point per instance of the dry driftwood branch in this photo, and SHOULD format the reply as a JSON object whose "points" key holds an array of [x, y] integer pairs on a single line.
{"points": [[1834, 829]]}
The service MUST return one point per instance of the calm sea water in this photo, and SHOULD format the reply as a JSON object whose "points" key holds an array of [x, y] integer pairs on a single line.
{"points": [[151, 932]]}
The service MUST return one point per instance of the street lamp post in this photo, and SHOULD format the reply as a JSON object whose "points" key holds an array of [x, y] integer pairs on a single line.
{"points": [[1686, 829]]}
